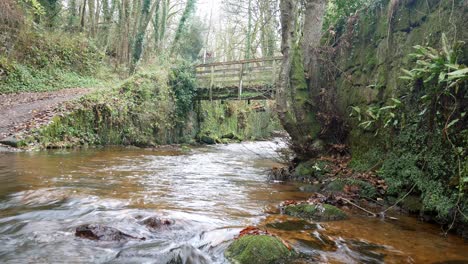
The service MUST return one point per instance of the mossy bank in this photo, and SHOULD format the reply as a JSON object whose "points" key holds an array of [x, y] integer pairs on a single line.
{"points": [[410, 127], [154, 107]]}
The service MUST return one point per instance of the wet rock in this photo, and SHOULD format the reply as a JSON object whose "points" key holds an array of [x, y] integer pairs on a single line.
{"points": [[279, 174], [311, 170], [187, 254], [102, 233], [367, 252], [157, 252], [316, 212], [11, 141], [312, 244], [293, 225], [271, 209], [157, 223], [208, 140], [261, 249]]}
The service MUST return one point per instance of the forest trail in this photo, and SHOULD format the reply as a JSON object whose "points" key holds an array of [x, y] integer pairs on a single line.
{"points": [[23, 111]]}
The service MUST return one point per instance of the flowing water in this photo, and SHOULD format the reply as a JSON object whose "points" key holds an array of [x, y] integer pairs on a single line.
{"points": [[210, 192]]}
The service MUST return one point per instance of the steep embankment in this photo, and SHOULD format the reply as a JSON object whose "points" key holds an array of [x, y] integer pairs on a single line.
{"points": [[33, 61], [151, 108]]}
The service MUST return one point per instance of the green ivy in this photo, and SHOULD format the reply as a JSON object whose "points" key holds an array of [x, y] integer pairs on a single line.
{"points": [[183, 83]]}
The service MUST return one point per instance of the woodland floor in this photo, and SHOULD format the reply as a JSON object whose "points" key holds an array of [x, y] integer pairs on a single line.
{"points": [[25, 111]]}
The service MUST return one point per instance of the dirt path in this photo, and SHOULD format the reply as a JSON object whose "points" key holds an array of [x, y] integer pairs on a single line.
{"points": [[24, 111]]}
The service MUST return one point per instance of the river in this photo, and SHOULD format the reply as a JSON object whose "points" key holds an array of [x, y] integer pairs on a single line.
{"points": [[210, 192]]}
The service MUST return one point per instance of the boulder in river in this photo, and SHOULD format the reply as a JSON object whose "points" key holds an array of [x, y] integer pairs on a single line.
{"points": [[102, 233], [208, 140], [154, 222], [11, 141], [316, 212], [260, 249]]}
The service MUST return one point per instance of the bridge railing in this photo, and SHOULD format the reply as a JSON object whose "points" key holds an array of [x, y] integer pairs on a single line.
{"points": [[242, 79]]}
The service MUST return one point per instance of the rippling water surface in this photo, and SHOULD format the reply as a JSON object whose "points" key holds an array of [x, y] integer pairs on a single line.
{"points": [[210, 192]]}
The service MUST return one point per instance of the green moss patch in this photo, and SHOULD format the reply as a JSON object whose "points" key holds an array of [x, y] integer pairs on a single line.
{"points": [[311, 169], [316, 212], [261, 249], [366, 190]]}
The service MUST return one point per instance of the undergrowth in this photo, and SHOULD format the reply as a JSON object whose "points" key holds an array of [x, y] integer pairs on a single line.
{"points": [[50, 61], [153, 107], [427, 131]]}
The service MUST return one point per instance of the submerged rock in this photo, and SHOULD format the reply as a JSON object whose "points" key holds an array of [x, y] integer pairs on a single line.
{"points": [[316, 212], [157, 252], [259, 249], [292, 225], [102, 233], [157, 223], [187, 254]]}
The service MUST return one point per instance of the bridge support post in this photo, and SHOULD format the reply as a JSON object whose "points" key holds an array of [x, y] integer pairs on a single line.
{"points": [[211, 83], [273, 79], [241, 80]]}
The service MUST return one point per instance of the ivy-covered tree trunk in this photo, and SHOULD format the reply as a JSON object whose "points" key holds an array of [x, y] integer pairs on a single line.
{"points": [[83, 13], [181, 28], [72, 18], [145, 18], [162, 32]]}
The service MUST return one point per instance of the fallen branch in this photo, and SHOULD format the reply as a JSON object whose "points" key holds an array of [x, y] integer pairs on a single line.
{"points": [[381, 214], [399, 200], [359, 207]]}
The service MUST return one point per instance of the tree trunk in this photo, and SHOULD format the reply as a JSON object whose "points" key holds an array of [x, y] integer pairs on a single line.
{"points": [[83, 13], [312, 33], [144, 20], [295, 96], [288, 24], [186, 15], [162, 32], [91, 10]]}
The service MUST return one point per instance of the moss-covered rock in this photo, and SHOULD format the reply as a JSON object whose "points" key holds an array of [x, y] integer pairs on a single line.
{"points": [[316, 212], [208, 140], [366, 190], [262, 249], [311, 168]]}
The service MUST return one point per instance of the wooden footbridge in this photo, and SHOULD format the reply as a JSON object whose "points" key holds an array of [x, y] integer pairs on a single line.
{"points": [[242, 80]]}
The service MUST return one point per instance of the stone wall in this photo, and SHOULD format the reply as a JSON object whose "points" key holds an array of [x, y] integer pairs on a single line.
{"points": [[372, 48]]}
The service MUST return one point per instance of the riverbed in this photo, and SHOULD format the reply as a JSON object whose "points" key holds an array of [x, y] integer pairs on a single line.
{"points": [[210, 193]]}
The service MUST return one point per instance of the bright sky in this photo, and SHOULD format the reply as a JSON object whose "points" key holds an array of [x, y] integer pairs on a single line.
{"points": [[204, 8]]}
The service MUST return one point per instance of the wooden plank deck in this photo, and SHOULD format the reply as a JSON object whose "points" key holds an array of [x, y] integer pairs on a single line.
{"points": [[245, 79]]}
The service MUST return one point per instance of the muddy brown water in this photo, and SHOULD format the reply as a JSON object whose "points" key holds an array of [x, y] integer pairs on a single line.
{"points": [[210, 192]]}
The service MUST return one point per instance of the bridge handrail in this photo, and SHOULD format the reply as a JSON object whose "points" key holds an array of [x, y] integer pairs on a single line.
{"points": [[238, 62], [240, 75]]}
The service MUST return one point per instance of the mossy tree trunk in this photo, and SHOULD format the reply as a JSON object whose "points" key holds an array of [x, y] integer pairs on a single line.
{"points": [[299, 75]]}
